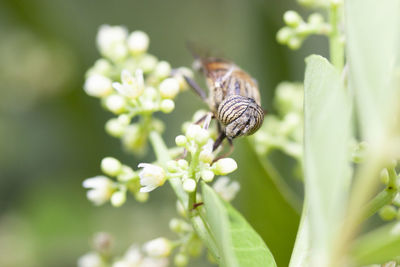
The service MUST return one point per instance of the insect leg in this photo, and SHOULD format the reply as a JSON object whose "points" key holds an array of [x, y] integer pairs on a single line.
{"points": [[196, 88], [219, 140]]}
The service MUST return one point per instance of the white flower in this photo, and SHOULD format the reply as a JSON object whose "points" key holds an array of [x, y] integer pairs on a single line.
{"points": [[111, 41], [159, 247], [115, 103], [224, 166], [151, 177], [131, 87], [169, 88], [189, 185], [90, 259], [225, 189], [98, 85], [138, 42], [100, 191], [111, 166], [181, 140], [207, 175]]}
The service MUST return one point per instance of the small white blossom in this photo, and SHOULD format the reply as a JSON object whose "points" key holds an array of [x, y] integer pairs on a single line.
{"points": [[162, 69], [183, 164], [226, 189], [100, 191], [224, 166], [181, 260], [131, 87], [169, 88], [202, 136], [111, 41], [115, 103], [189, 185], [118, 198], [159, 247], [138, 42], [91, 259], [167, 105], [111, 166], [98, 85], [292, 18], [124, 119], [151, 177]]}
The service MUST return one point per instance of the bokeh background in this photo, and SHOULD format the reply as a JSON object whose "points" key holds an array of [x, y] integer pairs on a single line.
{"points": [[52, 134]]}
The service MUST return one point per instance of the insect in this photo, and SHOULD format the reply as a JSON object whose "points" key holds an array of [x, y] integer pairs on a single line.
{"points": [[233, 98]]}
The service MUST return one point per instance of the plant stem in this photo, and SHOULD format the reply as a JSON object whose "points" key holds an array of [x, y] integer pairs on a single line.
{"points": [[335, 43], [383, 198]]}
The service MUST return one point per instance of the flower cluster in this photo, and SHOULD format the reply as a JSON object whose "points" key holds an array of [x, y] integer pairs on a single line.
{"points": [[153, 253], [131, 82], [391, 179], [297, 30], [283, 131], [103, 189]]}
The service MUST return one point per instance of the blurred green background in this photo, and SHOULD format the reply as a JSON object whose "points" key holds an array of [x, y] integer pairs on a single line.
{"points": [[52, 134]]}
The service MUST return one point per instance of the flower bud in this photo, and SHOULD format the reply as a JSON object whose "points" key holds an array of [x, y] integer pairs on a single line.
{"points": [[169, 88], [183, 164], [147, 63], [292, 18], [138, 42], [181, 140], [111, 41], [126, 174], [162, 69], [224, 166], [207, 175], [192, 131], [100, 191], [388, 213], [284, 35], [294, 43], [111, 166], [172, 166], [124, 119], [118, 198], [181, 260], [206, 156], [115, 103], [98, 85], [141, 196], [101, 66], [115, 128], [167, 105], [159, 247], [189, 185], [385, 176], [315, 19], [91, 259], [202, 137]]}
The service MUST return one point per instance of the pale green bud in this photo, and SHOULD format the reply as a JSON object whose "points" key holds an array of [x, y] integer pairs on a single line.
{"points": [[167, 105], [385, 176], [126, 174], [115, 128], [162, 69], [111, 166], [118, 198], [183, 164], [189, 185], [202, 137], [169, 88], [292, 18], [192, 131], [141, 196], [115, 103], [207, 175], [315, 19], [159, 247], [172, 166], [181, 260], [294, 43], [98, 85], [284, 35], [206, 156], [181, 140], [138, 42], [224, 166], [147, 63], [124, 119], [388, 213]]}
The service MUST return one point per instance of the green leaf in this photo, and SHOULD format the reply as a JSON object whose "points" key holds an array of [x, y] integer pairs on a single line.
{"points": [[237, 242], [373, 55], [266, 201], [378, 246], [327, 130]]}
